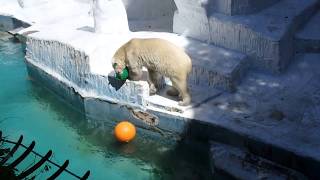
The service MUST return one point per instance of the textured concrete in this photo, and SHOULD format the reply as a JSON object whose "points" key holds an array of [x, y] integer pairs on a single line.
{"points": [[191, 20], [215, 67], [275, 117], [308, 38], [149, 9], [243, 165], [266, 37], [150, 15]]}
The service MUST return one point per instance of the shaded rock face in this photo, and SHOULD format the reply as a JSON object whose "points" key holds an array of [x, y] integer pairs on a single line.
{"points": [[9, 23], [150, 15], [149, 9]]}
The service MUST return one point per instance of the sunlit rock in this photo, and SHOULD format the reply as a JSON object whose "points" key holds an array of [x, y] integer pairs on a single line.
{"points": [[110, 16]]}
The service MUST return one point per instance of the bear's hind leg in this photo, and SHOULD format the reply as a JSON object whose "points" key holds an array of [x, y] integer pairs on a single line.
{"points": [[172, 91], [181, 85]]}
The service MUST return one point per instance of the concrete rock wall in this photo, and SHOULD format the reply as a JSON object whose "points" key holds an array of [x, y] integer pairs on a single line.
{"points": [[71, 66]]}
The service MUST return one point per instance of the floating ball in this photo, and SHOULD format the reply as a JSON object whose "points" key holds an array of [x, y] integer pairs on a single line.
{"points": [[124, 131], [124, 75]]}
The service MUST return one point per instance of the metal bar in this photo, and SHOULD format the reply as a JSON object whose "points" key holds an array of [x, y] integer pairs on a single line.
{"points": [[13, 150], [55, 164], [86, 175], [36, 166], [23, 156], [60, 170]]}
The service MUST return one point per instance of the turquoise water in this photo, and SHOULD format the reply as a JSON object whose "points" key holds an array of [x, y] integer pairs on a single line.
{"points": [[29, 109]]}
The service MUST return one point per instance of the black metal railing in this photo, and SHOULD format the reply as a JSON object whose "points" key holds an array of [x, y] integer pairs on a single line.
{"points": [[37, 165]]}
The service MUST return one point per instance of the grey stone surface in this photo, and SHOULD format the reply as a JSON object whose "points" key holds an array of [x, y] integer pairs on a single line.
{"points": [[237, 7], [215, 67], [150, 15], [266, 37], [308, 38], [149, 9], [241, 164], [191, 21], [273, 116]]}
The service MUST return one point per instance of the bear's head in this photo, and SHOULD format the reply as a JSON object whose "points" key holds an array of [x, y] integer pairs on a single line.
{"points": [[118, 61]]}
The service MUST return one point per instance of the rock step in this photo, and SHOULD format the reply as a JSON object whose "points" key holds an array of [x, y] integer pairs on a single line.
{"points": [[308, 38], [215, 67], [240, 164], [266, 37]]}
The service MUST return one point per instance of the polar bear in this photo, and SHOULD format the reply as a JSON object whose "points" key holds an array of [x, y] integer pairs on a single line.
{"points": [[161, 58]]}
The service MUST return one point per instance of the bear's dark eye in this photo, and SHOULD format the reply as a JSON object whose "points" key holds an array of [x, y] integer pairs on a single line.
{"points": [[115, 65]]}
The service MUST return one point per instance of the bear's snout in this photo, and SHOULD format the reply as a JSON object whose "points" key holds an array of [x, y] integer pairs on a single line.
{"points": [[117, 68]]}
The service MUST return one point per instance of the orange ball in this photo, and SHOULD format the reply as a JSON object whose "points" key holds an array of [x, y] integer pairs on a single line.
{"points": [[125, 131]]}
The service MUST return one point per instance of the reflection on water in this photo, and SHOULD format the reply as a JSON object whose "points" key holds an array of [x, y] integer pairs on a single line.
{"points": [[27, 108]]}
